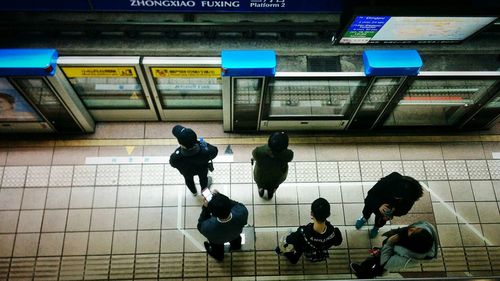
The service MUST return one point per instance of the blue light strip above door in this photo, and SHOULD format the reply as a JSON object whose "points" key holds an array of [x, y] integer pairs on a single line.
{"points": [[28, 62], [248, 62]]}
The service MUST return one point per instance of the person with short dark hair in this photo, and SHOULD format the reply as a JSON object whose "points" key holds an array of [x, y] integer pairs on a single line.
{"points": [[222, 220], [405, 247], [192, 158], [393, 195], [271, 163], [314, 239]]}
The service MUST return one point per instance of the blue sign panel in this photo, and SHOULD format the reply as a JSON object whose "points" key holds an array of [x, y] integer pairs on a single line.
{"points": [[28, 62], [248, 62], [255, 6], [45, 5], [392, 62]]}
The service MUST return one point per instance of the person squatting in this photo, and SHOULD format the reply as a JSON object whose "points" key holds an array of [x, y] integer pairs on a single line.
{"points": [[222, 220]]}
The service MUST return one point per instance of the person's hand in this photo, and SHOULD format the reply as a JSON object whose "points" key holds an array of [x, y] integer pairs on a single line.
{"points": [[384, 208]]}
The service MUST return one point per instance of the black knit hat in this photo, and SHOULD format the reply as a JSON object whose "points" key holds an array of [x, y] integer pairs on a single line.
{"points": [[185, 136], [278, 141]]}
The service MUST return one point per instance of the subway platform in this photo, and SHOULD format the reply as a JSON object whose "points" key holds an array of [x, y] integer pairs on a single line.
{"points": [[108, 206]]}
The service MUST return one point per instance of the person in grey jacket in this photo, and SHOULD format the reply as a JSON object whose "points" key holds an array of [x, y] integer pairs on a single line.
{"points": [[222, 220], [405, 247], [271, 163]]}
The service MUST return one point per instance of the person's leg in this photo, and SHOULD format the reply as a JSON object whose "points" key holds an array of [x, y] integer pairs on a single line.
{"points": [[216, 251], [190, 183], [235, 244], [270, 193], [202, 174], [379, 222], [293, 257], [367, 212]]}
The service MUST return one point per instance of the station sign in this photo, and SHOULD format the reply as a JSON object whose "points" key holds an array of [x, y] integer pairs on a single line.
{"points": [[256, 6]]}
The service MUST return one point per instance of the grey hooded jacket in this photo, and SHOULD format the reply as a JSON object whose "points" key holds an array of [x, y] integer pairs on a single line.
{"points": [[395, 257]]}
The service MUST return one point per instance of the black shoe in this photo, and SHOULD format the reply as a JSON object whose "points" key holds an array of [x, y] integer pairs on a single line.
{"points": [[210, 251], [235, 248], [278, 250], [355, 268], [261, 192]]}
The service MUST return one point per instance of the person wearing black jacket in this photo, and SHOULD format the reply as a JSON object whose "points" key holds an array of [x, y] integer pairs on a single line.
{"points": [[314, 239], [393, 195], [192, 157]]}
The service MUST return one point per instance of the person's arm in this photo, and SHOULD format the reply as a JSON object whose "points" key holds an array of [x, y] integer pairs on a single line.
{"points": [[388, 259], [174, 159], [204, 215], [337, 240], [296, 239], [212, 151]]}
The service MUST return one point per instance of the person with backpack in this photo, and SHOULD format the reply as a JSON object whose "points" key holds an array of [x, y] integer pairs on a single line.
{"points": [[192, 158], [271, 164], [405, 247], [314, 239], [393, 195]]}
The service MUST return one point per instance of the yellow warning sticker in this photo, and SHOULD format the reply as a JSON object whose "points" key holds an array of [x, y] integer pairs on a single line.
{"points": [[186, 72], [99, 72]]}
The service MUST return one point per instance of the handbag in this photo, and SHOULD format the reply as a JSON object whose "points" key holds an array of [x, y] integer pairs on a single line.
{"points": [[283, 246], [371, 267]]}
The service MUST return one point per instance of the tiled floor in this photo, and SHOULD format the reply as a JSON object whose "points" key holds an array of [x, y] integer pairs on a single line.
{"points": [[62, 219]]}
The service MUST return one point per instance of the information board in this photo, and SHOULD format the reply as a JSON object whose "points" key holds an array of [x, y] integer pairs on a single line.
{"points": [[412, 29]]}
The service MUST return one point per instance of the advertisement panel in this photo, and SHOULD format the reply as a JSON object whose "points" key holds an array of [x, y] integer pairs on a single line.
{"points": [[13, 107], [255, 6]]}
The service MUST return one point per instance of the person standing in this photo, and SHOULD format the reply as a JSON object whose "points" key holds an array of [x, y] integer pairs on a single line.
{"points": [[393, 195], [222, 220], [192, 158], [314, 239], [271, 163]]}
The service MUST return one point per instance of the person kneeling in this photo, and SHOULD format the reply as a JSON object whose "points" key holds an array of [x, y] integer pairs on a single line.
{"points": [[404, 247]]}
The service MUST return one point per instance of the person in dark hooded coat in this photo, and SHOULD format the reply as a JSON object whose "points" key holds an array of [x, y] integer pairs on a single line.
{"points": [[271, 163], [192, 158]]}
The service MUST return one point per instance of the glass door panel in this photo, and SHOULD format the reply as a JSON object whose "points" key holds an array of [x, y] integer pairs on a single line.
{"points": [[438, 101], [188, 88], [379, 94], [303, 97], [246, 101], [107, 87], [42, 95]]}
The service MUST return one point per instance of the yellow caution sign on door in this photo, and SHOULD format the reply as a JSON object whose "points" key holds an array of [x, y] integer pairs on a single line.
{"points": [[134, 96], [186, 72], [99, 72]]}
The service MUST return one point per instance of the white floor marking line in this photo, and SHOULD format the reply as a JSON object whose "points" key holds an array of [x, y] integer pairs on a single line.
{"points": [[460, 218], [495, 155], [180, 214]]}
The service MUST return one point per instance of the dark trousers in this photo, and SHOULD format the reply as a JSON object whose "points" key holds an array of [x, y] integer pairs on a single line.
{"points": [[379, 219], [202, 175], [218, 249]]}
